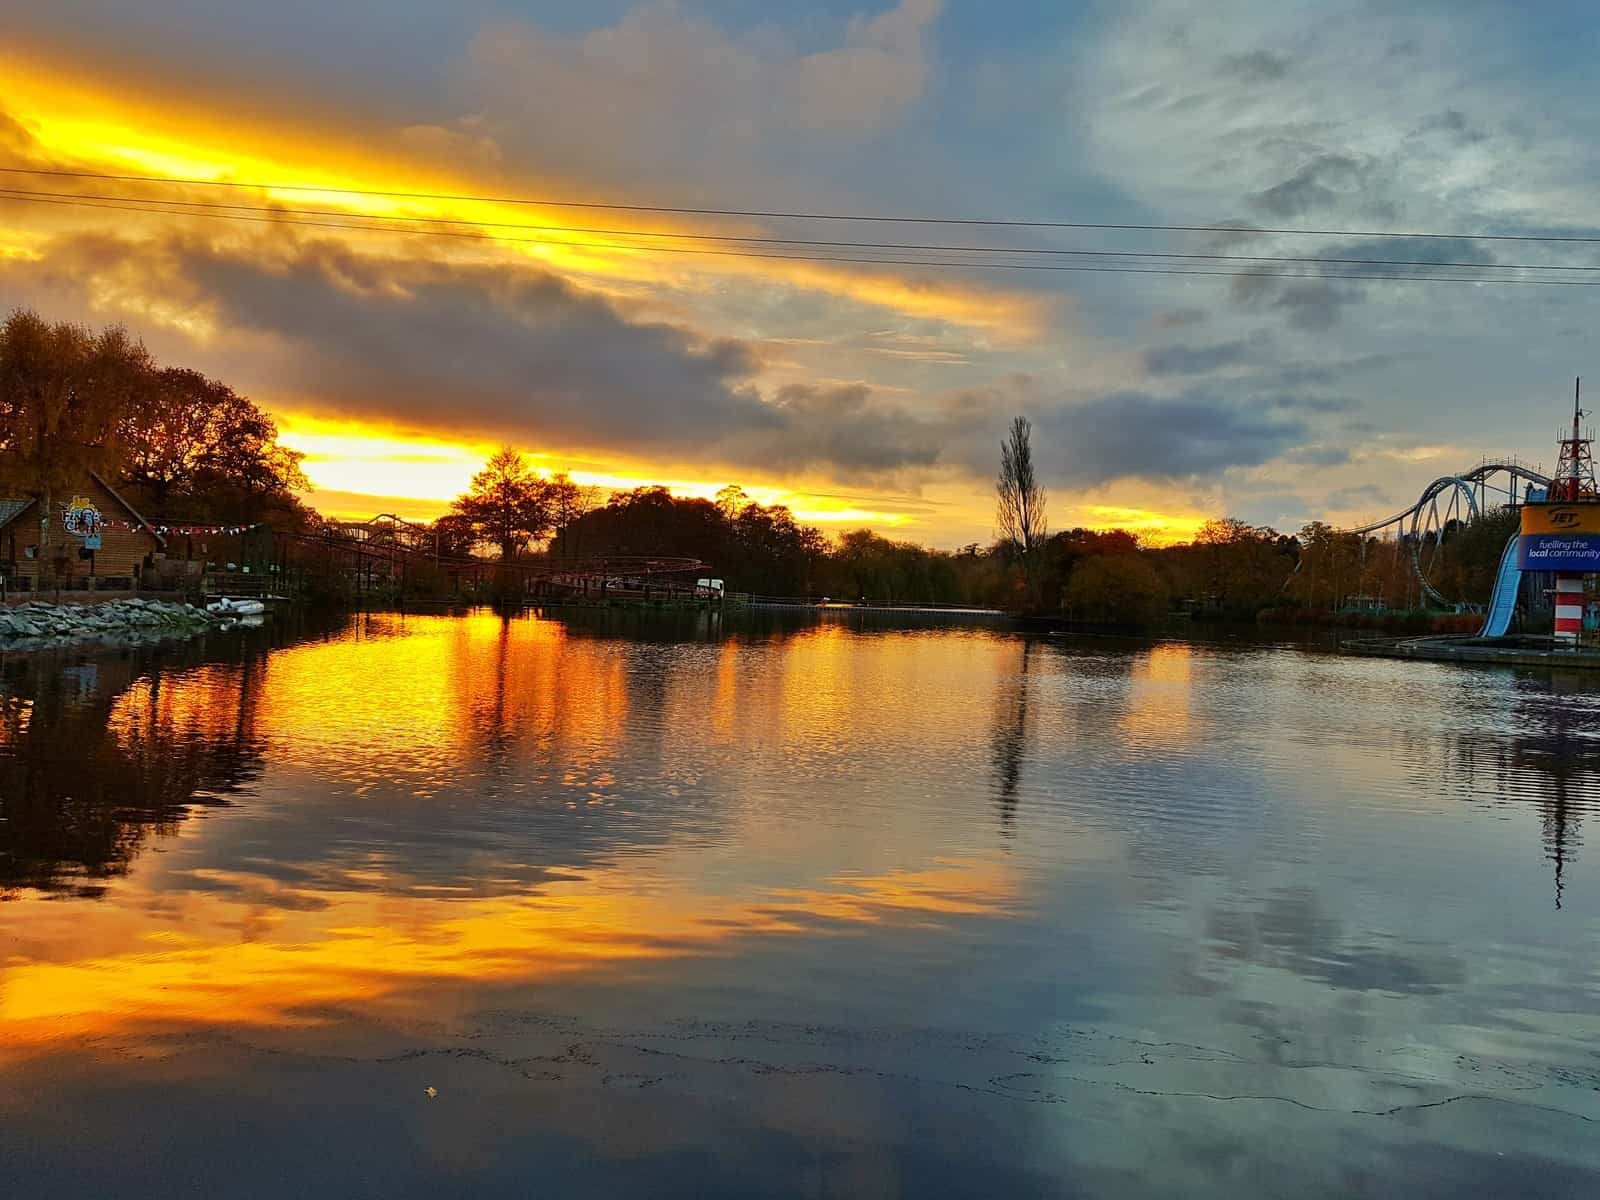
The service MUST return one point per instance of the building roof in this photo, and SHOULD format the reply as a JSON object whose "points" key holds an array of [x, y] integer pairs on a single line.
{"points": [[133, 512], [10, 510]]}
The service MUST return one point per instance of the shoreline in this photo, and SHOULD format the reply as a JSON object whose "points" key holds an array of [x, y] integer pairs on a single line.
{"points": [[1495, 652], [43, 625]]}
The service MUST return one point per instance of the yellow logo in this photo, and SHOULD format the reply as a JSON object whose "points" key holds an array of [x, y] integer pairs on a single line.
{"points": [[1561, 518], [81, 518]]}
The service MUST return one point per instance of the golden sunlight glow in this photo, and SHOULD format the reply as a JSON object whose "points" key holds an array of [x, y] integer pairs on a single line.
{"points": [[358, 469], [94, 125], [360, 461], [1159, 697], [321, 948], [402, 712], [1156, 528]]}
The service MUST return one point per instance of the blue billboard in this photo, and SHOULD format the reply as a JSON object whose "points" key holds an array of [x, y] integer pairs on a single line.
{"points": [[1559, 552], [1560, 537]]}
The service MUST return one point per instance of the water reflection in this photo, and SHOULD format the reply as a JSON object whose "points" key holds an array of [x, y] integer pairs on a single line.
{"points": [[98, 756], [1548, 758], [683, 893], [1011, 731]]}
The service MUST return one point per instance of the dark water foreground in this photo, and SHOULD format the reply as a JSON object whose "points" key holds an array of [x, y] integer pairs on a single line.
{"points": [[826, 909]]}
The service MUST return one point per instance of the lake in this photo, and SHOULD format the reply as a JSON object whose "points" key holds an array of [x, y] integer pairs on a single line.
{"points": [[805, 906]]}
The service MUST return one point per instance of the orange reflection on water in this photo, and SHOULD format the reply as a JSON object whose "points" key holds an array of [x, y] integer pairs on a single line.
{"points": [[1159, 696], [405, 841], [410, 700], [214, 702], [218, 961]]}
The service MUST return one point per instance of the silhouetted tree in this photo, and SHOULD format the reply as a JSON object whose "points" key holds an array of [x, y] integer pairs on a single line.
{"points": [[195, 448], [508, 505], [1020, 510], [567, 502]]}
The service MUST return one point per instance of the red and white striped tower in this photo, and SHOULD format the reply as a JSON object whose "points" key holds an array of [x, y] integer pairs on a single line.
{"points": [[1569, 608]]}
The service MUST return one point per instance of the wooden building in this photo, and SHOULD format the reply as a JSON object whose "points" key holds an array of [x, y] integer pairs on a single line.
{"points": [[96, 538]]}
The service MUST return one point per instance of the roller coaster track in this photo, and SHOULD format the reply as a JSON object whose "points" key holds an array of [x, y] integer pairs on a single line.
{"points": [[1463, 482], [1424, 523]]}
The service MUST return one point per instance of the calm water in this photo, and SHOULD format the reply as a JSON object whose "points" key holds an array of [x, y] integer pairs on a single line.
{"points": [[817, 909]]}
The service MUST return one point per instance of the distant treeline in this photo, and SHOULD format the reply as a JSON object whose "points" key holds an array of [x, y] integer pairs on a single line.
{"points": [[1231, 570]]}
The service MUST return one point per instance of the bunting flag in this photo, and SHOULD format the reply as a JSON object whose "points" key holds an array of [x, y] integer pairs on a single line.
{"points": [[182, 530]]}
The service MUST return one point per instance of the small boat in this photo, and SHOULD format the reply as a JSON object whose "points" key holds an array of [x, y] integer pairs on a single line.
{"points": [[226, 607]]}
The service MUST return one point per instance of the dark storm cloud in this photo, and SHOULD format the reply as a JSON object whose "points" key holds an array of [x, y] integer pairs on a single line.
{"points": [[484, 347], [1195, 360], [1452, 124], [1258, 66], [491, 350], [1232, 233], [1315, 404], [1320, 183], [1413, 250], [1136, 435], [846, 429], [1314, 304], [1296, 375]]}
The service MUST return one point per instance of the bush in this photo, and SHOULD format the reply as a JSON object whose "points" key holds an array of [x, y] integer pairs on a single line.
{"points": [[1120, 589]]}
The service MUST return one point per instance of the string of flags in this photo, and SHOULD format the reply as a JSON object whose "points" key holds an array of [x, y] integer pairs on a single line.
{"points": [[182, 530]]}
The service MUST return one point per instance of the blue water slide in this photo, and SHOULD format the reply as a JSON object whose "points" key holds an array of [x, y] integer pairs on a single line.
{"points": [[1504, 602]]}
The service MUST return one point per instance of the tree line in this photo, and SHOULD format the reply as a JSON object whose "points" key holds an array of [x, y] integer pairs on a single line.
{"points": [[186, 447], [1230, 569], [177, 443]]}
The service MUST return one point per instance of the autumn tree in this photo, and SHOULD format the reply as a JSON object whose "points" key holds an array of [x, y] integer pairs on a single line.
{"points": [[1330, 567], [64, 392], [1237, 568], [508, 505], [1116, 588], [194, 447]]}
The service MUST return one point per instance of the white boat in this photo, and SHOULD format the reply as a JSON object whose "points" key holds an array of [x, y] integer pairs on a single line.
{"points": [[226, 607]]}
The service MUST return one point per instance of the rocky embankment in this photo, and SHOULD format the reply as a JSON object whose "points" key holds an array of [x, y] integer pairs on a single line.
{"points": [[39, 623]]}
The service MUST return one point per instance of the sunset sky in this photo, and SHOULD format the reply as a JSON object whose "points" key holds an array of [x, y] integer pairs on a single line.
{"points": [[860, 393]]}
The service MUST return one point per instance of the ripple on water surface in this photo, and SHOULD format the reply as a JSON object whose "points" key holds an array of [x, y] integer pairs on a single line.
{"points": [[803, 907]]}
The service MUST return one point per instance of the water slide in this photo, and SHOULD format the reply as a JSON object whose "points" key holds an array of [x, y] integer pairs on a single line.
{"points": [[1504, 601]]}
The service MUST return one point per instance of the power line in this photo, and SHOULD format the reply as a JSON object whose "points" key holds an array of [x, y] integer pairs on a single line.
{"points": [[206, 206], [968, 264], [781, 215], [152, 207]]}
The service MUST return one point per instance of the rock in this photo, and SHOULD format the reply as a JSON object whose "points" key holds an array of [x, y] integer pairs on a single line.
{"points": [[37, 623]]}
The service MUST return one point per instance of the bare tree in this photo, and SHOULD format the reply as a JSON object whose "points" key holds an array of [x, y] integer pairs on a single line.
{"points": [[1020, 510]]}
